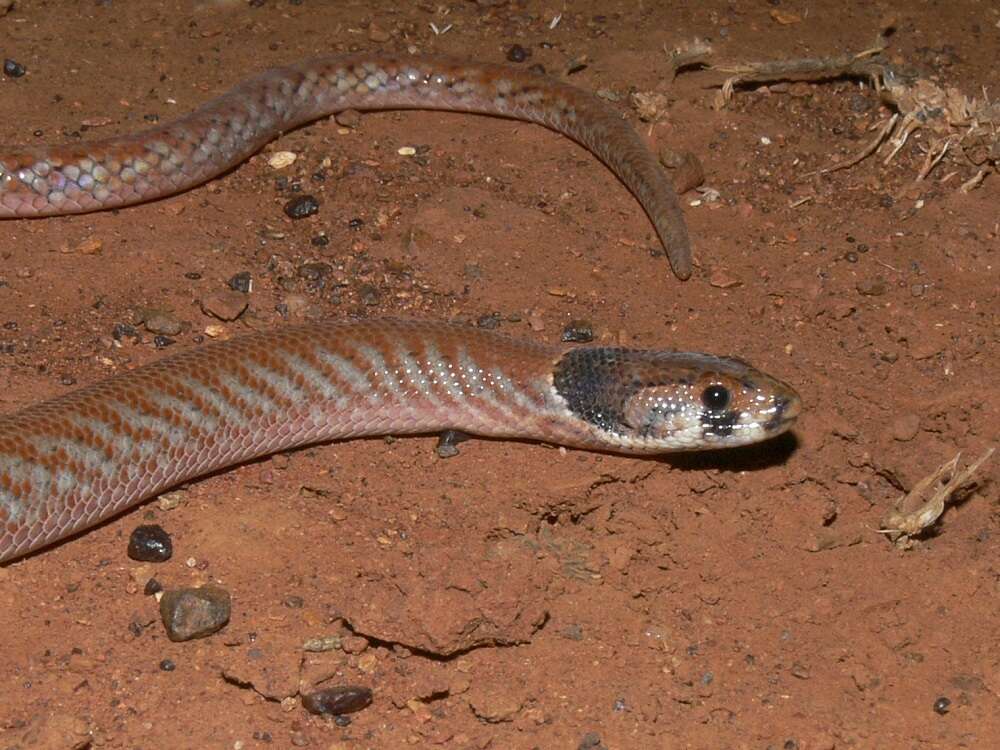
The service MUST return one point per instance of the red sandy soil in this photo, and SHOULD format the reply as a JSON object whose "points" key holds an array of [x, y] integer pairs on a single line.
{"points": [[521, 596]]}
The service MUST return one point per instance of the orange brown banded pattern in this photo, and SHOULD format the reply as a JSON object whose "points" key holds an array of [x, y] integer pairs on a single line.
{"points": [[68, 463], [167, 159]]}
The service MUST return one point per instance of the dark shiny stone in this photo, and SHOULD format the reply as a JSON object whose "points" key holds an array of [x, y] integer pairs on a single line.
{"points": [[301, 206], [241, 282], [123, 330], [518, 54], [150, 543], [344, 699], [13, 69]]}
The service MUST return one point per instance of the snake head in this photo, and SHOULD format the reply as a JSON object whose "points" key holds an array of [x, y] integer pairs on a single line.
{"points": [[653, 401]]}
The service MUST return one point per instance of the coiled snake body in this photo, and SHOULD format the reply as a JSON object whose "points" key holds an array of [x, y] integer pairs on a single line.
{"points": [[68, 463]]}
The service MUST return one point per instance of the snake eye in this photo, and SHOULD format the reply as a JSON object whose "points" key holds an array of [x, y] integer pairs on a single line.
{"points": [[716, 397]]}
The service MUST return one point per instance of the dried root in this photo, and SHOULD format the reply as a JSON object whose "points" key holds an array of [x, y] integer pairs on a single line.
{"points": [[966, 127]]}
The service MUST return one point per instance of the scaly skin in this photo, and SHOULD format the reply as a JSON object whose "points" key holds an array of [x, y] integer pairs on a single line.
{"points": [[168, 159], [69, 463]]}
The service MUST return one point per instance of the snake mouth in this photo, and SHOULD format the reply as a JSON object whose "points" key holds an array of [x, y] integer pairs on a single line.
{"points": [[786, 411]]}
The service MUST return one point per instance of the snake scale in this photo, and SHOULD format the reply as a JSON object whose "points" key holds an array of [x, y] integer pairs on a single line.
{"points": [[73, 461]]}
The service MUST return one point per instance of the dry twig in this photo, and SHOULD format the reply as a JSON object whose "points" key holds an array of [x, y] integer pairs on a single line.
{"points": [[963, 126]]}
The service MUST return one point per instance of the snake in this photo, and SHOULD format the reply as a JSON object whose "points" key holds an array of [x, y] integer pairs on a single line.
{"points": [[50, 180], [71, 462], [74, 461]]}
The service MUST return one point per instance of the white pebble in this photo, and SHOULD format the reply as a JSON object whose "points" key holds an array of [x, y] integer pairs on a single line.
{"points": [[407, 151], [282, 159]]}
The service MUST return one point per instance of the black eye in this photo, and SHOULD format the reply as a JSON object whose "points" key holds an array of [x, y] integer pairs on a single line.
{"points": [[716, 397]]}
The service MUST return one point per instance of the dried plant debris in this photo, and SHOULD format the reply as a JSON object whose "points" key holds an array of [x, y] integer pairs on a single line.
{"points": [[693, 54], [923, 505], [965, 127]]}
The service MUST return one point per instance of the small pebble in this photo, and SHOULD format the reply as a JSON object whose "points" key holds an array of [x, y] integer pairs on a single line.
{"points": [[355, 223], [194, 612], [349, 118], [13, 69], [722, 278], [91, 246], [406, 151], [518, 54], [591, 741], [488, 322], [872, 287], [241, 282], [905, 427], [150, 543], [225, 305], [321, 645], [164, 323], [152, 587], [369, 295], [162, 342], [301, 206], [167, 665], [942, 706], [377, 34], [314, 272], [345, 699], [282, 159]]}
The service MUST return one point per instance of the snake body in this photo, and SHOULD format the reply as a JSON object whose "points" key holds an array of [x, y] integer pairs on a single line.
{"points": [[167, 159], [68, 463]]}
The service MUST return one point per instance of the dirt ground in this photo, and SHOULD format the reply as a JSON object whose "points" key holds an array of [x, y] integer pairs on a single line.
{"points": [[522, 596]]}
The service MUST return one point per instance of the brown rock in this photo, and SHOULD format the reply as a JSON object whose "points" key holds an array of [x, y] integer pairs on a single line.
{"points": [[225, 305], [194, 612], [905, 427]]}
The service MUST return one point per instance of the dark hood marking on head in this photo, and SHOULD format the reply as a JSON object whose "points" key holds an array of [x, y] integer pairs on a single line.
{"points": [[591, 382]]}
